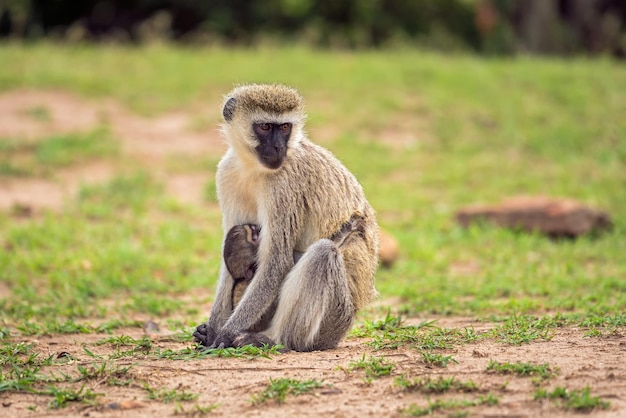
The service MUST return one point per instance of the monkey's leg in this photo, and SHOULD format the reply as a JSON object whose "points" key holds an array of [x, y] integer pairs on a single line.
{"points": [[315, 308]]}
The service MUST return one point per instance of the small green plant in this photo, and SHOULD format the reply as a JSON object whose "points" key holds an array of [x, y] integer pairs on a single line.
{"points": [[92, 372], [91, 353], [543, 371], [523, 329], [20, 368], [451, 404], [458, 414], [13, 352], [187, 353], [195, 411], [113, 375], [390, 332], [439, 385], [55, 327], [169, 395], [436, 359], [126, 341], [141, 345], [593, 332], [278, 389], [5, 333], [578, 400], [374, 367], [581, 400], [198, 352], [24, 366], [434, 406], [389, 324], [61, 397], [21, 380], [247, 351]]}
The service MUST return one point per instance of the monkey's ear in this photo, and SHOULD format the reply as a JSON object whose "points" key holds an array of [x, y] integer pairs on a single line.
{"points": [[229, 109]]}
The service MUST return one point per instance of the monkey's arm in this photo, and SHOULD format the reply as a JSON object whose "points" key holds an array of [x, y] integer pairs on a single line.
{"points": [[220, 311], [222, 304]]}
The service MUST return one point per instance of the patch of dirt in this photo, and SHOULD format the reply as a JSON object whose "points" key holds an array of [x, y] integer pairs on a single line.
{"points": [[230, 383], [30, 194], [147, 141], [58, 113], [188, 188]]}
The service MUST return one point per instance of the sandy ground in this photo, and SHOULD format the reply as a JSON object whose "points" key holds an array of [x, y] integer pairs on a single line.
{"points": [[229, 383]]}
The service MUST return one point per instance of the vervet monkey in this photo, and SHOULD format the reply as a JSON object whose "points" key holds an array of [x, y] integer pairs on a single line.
{"points": [[302, 198]]}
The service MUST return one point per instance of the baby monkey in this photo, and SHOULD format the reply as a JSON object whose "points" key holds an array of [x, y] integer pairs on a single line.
{"points": [[240, 249], [242, 243]]}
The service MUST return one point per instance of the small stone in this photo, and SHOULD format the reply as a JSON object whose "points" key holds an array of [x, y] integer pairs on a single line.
{"points": [[478, 353], [124, 405], [388, 249], [332, 391], [151, 327]]}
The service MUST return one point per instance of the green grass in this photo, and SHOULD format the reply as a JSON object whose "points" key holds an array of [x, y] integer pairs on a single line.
{"points": [[543, 371], [27, 157], [61, 397], [437, 359], [195, 411], [430, 385], [391, 333], [449, 405], [278, 389], [169, 395], [374, 367], [425, 133], [464, 115], [578, 400], [519, 329]]}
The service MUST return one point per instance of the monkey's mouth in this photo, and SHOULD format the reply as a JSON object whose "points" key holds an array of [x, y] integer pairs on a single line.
{"points": [[273, 160]]}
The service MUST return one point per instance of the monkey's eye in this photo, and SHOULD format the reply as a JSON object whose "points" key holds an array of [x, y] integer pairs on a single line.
{"points": [[265, 126], [285, 127]]}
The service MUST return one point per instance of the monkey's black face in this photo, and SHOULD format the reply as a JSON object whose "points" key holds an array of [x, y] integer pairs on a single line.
{"points": [[272, 148]]}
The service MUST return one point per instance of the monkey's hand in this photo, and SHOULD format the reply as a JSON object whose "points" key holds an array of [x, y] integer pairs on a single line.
{"points": [[205, 335]]}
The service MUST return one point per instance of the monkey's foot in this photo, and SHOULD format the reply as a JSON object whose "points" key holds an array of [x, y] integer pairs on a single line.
{"points": [[204, 335], [224, 339]]}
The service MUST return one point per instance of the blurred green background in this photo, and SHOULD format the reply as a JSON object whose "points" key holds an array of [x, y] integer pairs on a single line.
{"points": [[485, 26]]}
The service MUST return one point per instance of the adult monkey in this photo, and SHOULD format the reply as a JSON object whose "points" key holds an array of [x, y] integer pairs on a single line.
{"points": [[301, 197]]}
